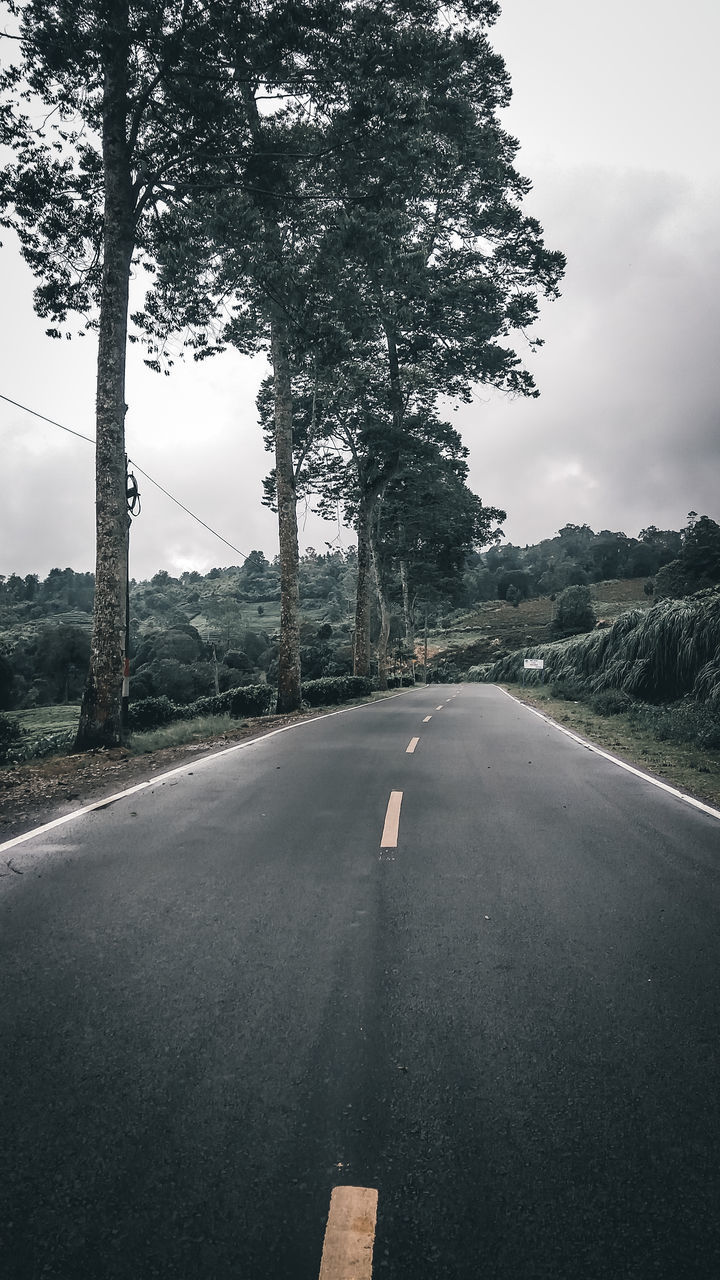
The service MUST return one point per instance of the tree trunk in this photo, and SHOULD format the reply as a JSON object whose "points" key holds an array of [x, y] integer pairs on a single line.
{"points": [[384, 637], [289, 694], [361, 655], [407, 607], [397, 403], [100, 719]]}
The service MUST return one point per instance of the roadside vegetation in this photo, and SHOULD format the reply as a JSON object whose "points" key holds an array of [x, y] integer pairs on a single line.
{"points": [[647, 685], [657, 740], [204, 647], [666, 653]]}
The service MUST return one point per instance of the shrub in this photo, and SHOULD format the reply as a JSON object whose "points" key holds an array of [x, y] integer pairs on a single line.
{"points": [[610, 702], [249, 700], [10, 734], [245, 700], [684, 721], [672, 582], [150, 713], [331, 690], [574, 612], [568, 690]]}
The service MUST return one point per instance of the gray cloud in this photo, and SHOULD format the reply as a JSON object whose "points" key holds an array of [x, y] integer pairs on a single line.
{"points": [[626, 431], [616, 110]]}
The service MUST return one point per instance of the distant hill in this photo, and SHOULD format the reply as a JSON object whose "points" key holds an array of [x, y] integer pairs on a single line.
{"points": [[196, 632]]}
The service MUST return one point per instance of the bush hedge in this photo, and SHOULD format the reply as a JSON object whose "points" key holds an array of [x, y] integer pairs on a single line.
{"points": [[248, 700], [330, 690]]}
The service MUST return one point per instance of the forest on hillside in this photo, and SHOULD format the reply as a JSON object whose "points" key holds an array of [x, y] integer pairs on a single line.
{"points": [[195, 635]]}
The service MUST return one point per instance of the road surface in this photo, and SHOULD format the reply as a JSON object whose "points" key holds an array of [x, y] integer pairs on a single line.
{"points": [[222, 997]]}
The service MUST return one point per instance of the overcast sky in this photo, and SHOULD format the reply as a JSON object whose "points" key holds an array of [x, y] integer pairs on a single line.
{"points": [[616, 108]]}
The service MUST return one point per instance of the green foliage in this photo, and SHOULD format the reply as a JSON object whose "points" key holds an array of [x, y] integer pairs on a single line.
{"points": [[684, 721], [7, 680], [697, 564], [568, 690], [610, 702], [150, 713], [672, 582], [700, 553], [181, 731], [331, 690], [10, 735], [249, 700], [576, 556], [661, 654], [574, 612]]}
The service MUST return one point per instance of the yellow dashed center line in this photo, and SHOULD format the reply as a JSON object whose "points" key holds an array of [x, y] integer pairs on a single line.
{"points": [[392, 821], [350, 1234]]}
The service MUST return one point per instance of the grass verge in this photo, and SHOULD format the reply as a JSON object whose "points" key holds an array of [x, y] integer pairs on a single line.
{"points": [[181, 732], [681, 764]]}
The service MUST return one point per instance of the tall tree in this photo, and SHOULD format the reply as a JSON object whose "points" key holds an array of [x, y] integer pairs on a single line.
{"points": [[131, 92], [380, 204], [430, 521]]}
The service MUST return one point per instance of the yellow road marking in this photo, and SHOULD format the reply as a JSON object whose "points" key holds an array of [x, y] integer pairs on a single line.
{"points": [[392, 821], [350, 1234], [411, 746], [426, 719]]}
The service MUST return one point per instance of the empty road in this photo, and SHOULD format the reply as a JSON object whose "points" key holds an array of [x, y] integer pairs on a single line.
{"points": [[431, 947]]}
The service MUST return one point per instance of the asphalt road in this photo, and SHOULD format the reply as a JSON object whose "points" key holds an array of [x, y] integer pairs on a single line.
{"points": [[221, 997]]}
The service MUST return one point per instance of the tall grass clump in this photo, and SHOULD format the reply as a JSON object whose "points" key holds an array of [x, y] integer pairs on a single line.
{"points": [[180, 732], [659, 655]]}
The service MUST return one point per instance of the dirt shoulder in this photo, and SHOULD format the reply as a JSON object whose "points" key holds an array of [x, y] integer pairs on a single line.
{"points": [[41, 790], [694, 770]]}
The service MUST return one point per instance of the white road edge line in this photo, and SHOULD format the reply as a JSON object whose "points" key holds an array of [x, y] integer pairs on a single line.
{"points": [[183, 768], [392, 821], [411, 746], [629, 768], [349, 1234]]}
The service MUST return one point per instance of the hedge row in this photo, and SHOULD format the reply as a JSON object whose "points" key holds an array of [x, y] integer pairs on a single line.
{"points": [[253, 700], [248, 700], [330, 690]]}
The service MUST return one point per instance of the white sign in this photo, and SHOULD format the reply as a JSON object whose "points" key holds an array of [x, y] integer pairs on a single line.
{"points": [[534, 664]]}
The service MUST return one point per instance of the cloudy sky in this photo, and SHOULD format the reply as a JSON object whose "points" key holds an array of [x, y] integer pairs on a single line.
{"points": [[616, 109]]}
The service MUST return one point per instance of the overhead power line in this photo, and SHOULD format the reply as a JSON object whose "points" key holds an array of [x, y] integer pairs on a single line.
{"points": [[187, 510], [52, 421], [137, 466]]}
